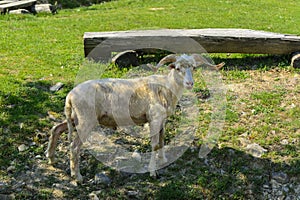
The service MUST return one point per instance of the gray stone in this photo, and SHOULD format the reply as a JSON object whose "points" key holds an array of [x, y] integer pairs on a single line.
{"points": [[284, 142], [131, 193], [11, 169], [290, 197], [22, 148], [280, 177], [297, 189], [102, 178], [279, 193], [285, 189], [93, 196], [56, 87], [255, 150], [275, 184]]}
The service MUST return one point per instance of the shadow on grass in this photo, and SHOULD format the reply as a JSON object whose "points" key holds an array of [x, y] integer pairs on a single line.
{"points": [[227, 173], [252, 62], [23, 114]]}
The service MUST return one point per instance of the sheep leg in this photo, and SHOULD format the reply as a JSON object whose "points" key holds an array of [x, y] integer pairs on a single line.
{"points": [[157, 115], [161, 152], [154, 145], [55, 133], [75, 157], [84, 128]]}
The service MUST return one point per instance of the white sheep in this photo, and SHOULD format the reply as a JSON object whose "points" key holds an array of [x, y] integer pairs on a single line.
{"points": [[120, 102]]}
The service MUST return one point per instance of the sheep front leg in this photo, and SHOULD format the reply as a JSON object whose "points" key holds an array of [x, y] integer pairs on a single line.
{"points": [[161, 151], [157, 116]]}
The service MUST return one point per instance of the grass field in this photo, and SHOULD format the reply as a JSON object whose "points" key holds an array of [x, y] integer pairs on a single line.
{"points": [[262, 103]]}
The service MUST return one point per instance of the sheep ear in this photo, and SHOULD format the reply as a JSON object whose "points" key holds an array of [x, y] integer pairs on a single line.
{"points": [[171, 66]]}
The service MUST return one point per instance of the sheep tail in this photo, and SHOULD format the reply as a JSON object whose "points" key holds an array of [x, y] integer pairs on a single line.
{"points": [[68, 113]]}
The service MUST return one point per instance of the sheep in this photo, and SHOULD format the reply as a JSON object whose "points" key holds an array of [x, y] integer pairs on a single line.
{"points": [[119, 102]]}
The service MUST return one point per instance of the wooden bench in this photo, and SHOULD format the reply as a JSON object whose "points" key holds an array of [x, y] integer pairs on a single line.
{"points": [[100, 45], [4, 8]]}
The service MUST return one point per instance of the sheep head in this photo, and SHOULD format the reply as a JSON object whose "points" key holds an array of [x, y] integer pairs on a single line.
{"points": [[183, 65]]}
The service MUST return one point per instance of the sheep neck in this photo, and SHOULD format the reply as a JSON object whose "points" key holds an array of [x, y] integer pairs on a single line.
{"points": [[175, 84]]}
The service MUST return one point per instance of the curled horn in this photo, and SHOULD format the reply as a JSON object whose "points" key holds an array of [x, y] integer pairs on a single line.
{"points": [[169, 58], [202, 61]]}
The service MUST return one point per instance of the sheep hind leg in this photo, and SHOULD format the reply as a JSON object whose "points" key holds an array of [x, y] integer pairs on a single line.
{"points": [[55, 133], [81, 135], [75, 157]]}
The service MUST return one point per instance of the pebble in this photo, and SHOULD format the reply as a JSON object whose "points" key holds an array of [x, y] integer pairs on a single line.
{"points": [[56, 87], [255, 150], [102, 178], [131, 193], [297, 189], [19, 186], [285, 189], [284, 142], [93, 196], [280, 177], [2, 184], [290, 197], [22, 148], [10, 169]]}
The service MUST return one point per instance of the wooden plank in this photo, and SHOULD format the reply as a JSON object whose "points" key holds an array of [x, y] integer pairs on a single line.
{"points": [[15, 5], [212, 40]]}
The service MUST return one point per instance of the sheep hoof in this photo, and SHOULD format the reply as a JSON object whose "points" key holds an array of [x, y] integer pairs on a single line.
{"points": [[78, 178], [163, 160], [154, 174], [51, 161]]}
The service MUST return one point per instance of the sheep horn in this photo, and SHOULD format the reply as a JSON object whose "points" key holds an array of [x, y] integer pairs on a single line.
{"points": [[202, 61], [167, 59]]}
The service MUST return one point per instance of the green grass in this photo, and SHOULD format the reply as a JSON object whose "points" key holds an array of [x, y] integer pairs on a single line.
{"points": [[38, 51]]}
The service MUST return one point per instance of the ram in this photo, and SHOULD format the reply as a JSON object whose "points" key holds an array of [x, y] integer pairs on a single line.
{"points": [[120, 102]]}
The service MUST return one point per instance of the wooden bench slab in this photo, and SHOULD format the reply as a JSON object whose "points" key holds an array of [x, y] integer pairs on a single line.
{"points": [[212, 40], [17, 4]]}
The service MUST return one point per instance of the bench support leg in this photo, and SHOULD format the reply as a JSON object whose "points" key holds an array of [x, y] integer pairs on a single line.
{"points": [[295, 63]]}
